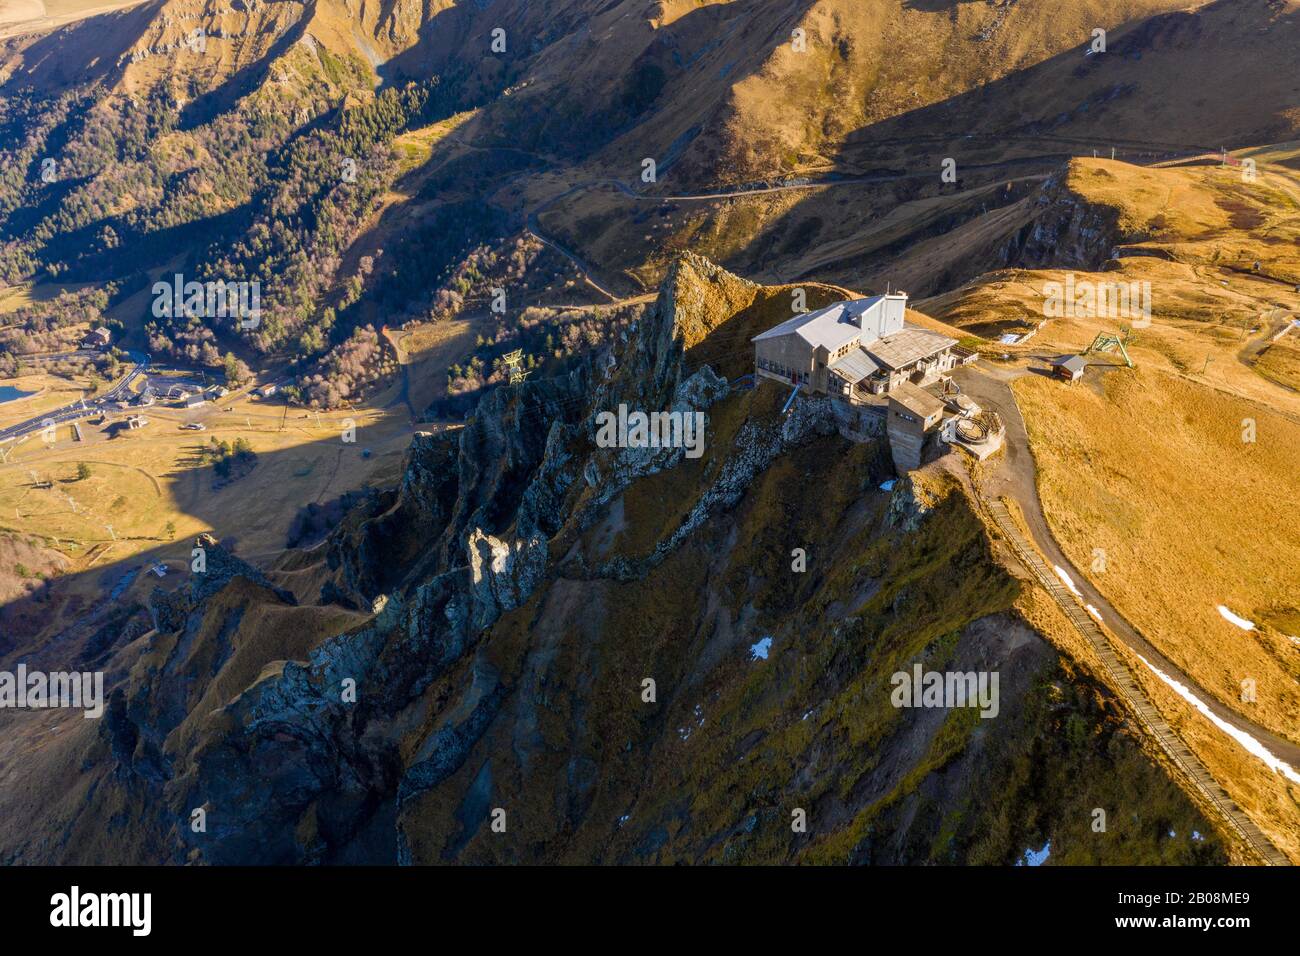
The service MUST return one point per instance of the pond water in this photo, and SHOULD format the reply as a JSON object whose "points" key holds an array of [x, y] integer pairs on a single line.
{"points": [[9, 392], [1034, 857]]}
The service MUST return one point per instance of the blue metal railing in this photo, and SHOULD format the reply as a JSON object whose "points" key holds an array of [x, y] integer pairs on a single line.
{"points": [[790, 401]]}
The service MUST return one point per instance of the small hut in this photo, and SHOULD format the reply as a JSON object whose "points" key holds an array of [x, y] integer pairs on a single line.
{"points": [[1069, 368]]}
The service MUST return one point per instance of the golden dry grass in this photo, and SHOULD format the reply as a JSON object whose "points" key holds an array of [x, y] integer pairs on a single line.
{"points": [[1268, 798], [1171, 203], [1272, 802], [1154, 471], [426, 351], [1149, 465], [143, 480], [1281, 154], [1219, 257], [415, 147], [18, 11], [1218, 215], [1280, 362], [47, 392], [15, 297]]}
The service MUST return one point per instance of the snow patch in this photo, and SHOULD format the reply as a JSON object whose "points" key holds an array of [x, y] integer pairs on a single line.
{"points": [[759, 651], [1252, 745], [1093, 611], [1067, 580], [1240, 622]]}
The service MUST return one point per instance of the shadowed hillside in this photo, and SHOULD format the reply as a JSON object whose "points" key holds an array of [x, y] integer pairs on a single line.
{"points": [[473, 228], [452, 603]]}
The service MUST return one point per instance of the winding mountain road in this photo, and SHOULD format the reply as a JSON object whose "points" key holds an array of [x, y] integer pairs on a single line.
{"points": [[588, 271], [1015, 477]]}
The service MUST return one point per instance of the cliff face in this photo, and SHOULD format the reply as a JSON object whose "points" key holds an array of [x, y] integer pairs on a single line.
{"points": [[538, 649], [1065, 230]]}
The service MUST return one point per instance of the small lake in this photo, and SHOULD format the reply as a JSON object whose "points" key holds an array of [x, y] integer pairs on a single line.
{"points": [[8, 393]]}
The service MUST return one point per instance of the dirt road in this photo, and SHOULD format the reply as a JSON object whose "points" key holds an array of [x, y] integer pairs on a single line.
{"points": [[1015, 477]]}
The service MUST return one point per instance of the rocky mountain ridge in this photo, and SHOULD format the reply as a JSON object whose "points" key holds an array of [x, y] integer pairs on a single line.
{"points": [[488, 627]]}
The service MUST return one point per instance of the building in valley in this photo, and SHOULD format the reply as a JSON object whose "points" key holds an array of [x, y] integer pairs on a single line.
{"points": [[98, 339], [859, 350]]}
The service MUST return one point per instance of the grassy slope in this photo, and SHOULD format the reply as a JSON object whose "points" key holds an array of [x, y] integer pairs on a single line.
{"points": [[1150, 465], [885, 88], [249, 633], [143, 480], [712, 771], [1280, 362], [1155, 472]]}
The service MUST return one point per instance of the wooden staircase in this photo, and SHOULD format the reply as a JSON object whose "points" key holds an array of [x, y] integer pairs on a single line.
{"points": [[1135, 698]]}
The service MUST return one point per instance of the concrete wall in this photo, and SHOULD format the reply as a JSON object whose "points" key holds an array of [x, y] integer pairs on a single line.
{"points": [[859, 423], [792, 352], [895, 307], [906, 449], [789, 351], [907, 433], [884, 318]]}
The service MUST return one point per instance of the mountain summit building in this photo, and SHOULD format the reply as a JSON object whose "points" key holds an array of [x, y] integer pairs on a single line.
{"points": [[859, 350]]}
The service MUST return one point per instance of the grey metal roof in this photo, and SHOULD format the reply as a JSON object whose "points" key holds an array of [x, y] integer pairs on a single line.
{"points": [[907, 347], [832, 326], [855, 366], [1075, 363]]}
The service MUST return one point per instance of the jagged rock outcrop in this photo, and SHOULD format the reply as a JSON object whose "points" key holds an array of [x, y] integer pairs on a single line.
{"points": [[213, 569], [463, 540], [484, 639], [908, 505], [1064, 231], [504, 573], [376, 545]]}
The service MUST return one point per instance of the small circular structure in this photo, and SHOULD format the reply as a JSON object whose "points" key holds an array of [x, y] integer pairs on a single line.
{"points": [[972, 430], [979, 428]]}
